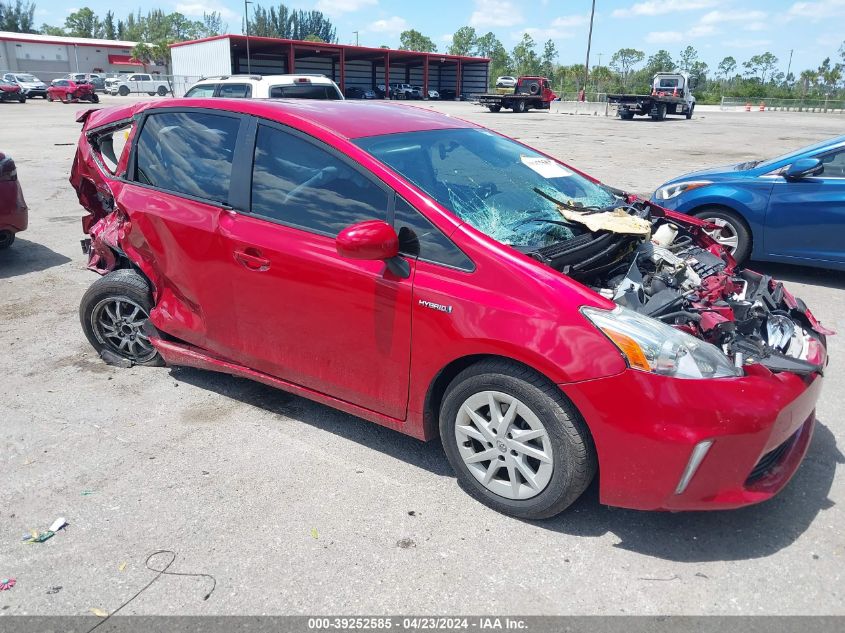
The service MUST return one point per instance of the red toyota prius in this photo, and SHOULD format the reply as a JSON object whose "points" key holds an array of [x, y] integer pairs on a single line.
{"points": [[448, 282]]}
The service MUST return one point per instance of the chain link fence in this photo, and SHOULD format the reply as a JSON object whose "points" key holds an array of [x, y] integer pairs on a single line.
{"points": [[829, 106]]}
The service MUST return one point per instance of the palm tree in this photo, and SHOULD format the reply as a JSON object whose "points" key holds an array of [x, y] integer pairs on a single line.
{"points": [[808, 78]]}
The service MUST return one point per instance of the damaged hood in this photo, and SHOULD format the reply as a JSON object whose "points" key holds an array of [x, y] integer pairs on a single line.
{"points": [[674, 273]]}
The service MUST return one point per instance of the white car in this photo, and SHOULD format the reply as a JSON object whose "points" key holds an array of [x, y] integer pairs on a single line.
{"points": [[30, 85], [506, 81], [266, 87], [137, 83]]}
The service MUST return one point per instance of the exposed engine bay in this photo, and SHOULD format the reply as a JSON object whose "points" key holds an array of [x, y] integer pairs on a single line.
{"points": [[675, 273]]}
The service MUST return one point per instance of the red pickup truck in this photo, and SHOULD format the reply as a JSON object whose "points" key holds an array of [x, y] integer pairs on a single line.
{"points": [[529, 92]]}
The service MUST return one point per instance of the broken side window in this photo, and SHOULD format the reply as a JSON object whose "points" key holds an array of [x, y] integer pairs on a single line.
{"points": [[110, 145]]}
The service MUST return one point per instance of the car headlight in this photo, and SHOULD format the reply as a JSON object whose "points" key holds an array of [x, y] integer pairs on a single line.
{"points": [[650, 345], [667, 192]]}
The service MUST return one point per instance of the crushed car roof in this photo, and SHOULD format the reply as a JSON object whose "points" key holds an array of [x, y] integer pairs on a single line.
{"points": [[349, 119]]}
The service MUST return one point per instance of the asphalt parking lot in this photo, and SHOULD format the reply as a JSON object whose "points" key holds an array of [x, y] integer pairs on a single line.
{"points": [[295, 508]]}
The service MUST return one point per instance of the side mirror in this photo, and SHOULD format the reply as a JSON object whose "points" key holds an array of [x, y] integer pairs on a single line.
{"points": [[373, 240], [804, 168]]}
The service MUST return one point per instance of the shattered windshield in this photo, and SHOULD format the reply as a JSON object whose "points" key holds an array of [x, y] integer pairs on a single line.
{"points": [[500, 187]]}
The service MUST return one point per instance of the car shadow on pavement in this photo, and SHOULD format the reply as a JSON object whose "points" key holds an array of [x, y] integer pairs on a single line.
{"points": [[752, 532], [27, 257], [426, 455], [801, 274]]}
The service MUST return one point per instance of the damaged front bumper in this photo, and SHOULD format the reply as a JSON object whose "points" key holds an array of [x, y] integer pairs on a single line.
{"points": [[753, 432]]}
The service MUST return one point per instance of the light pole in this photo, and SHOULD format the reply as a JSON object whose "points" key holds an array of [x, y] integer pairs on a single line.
{"points": [[789, 67], [589, 43], [246, 28], [356, 37]]}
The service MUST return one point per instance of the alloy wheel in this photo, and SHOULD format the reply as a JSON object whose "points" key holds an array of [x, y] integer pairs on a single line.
{"points": [[724, 235], [504, 445], [117, 323]]}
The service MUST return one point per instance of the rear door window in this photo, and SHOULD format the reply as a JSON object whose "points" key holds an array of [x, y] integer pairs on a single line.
{"points": [[304, 91], [296, 182], [188, 153], [206, 90], [235, 91]]}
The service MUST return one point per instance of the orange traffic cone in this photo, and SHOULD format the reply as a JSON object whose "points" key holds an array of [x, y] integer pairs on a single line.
{"points": [[748, 106], [762, 106]]}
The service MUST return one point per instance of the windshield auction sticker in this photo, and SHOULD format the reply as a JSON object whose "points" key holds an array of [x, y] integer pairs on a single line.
{"points": [[546, 167]]}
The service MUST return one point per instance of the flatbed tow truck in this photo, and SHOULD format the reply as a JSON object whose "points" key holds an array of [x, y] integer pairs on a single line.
{"points": [[671, 94], [530, 93]]}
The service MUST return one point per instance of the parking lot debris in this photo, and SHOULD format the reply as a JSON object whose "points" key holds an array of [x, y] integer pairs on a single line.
{"points": [[122, 566], [37, 537], [159, 573], [58, 524], [86, 493], [7, 583], [405, 543], [54, 590], [314, 533]]}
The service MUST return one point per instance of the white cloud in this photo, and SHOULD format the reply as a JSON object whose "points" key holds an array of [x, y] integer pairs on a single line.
{"points": [[337, 7], [756, 26], [716, 17], [446, 38], [740, 43], [817, 10], [560, 28], [490, 13], [662, 7], [664, 37], [389, 26], [196, 9]]}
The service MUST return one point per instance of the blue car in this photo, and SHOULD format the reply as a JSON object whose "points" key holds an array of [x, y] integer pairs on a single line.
{"points": [[789, 209]]}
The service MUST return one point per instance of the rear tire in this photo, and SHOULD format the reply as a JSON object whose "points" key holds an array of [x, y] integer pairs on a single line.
{"points": [[734, 231], [22, 98], [494, 108], [689, 113], [162, 91], [626, 115], [95, 98], [112, 312], [48, 97], [519, 106], [661, 113], [533, 478], [7, 238]]}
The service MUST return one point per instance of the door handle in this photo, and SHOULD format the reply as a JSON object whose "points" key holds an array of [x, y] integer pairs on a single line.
{"points": [[251, 259]]}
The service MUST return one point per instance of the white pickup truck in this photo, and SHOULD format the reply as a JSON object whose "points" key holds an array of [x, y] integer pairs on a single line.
{"points": [[137, 83]]}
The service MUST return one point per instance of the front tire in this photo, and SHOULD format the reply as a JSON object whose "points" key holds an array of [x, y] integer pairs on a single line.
{"points": [[515, 442], [123, 91], [733, 233], [162, 91], [113, 311]]}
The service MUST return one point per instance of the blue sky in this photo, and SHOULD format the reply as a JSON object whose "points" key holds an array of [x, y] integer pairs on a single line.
{"points": [[813, 29]]}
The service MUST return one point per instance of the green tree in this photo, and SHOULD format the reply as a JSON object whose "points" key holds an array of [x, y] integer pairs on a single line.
{"points": [[525, 59], [83, 23], [549, 59], [727, 67], [46, 29], [687, 58], [18, 18], [464, 41], [109, 28], [291, 24], [661, 61], [624, 60], [809, 78], [212, 24], [412, 40], [760, 66], [488, 45], [143, 54]]}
